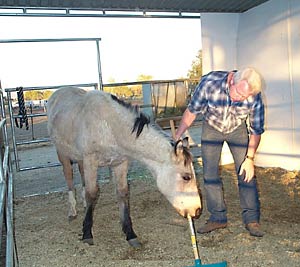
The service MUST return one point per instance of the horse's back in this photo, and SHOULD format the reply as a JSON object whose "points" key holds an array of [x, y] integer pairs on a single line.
{"points": [[62, 110], [82, 122], [64, 98]]}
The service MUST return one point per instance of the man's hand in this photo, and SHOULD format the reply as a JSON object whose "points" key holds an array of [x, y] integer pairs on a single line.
{"points": [[186, 121], [247, 167]]}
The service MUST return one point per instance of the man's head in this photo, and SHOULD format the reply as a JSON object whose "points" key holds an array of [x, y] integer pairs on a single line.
{"points": [[244, 83]]}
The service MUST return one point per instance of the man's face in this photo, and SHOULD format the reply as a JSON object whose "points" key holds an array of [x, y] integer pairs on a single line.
{"points": [[240, 91]]}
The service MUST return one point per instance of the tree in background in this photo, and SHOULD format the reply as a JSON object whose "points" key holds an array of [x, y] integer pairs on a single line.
{"points": [[143, 77], [37, 95], [196, 69], [139, 87], [128, 91], [195, 73]]}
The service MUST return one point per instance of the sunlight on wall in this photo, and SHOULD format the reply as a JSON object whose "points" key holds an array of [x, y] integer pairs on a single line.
{"points": [[219, 57]]}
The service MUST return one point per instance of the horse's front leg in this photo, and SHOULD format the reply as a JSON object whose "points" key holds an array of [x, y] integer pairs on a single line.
{"points": [[122, 190], [91, 187]]}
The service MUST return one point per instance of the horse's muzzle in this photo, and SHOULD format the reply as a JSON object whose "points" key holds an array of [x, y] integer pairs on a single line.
{"points": [[196, 215]]}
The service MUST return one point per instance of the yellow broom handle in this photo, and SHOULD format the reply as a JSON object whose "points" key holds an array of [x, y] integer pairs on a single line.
{"points": [[193, 238]]}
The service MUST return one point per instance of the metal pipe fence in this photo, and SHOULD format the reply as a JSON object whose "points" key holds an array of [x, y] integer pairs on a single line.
{"points": [[157, 98], [8, 247], [32, 139]]}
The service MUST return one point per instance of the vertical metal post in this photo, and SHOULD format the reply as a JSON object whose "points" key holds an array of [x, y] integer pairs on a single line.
{"points": [[12, 125], [147, 99], [100, 83], [3, 115]]}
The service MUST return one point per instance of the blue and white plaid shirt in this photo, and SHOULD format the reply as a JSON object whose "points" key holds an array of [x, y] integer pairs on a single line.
{"points": [[211, 98]]}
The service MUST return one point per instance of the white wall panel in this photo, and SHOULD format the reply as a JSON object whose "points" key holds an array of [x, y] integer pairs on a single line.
{"points": [[219, 35], [268, 39], [275, 53]]}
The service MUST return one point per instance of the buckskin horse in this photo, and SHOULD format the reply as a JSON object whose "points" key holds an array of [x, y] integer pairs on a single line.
{"points": [[96, 129]]}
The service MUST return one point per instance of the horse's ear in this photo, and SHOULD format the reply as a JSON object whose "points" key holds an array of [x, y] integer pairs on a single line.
{"points": [[180, 145], [182, 152], [185, 142]]}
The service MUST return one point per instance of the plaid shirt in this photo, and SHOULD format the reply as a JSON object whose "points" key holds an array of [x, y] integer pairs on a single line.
{"points": [[211, 98]]}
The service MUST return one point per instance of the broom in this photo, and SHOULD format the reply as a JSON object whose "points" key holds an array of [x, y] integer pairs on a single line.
{"points": [[190, 220], [195, 249]]}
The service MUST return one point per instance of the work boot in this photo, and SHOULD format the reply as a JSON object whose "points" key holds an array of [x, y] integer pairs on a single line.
{"points": [[254, 229], [211, 226]]}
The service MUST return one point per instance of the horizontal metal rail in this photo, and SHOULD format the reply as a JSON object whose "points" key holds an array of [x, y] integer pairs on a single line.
{"points": [[6, 41], [51, 87], [14, 116], [49, 165], [94, 12], [144, 82]]}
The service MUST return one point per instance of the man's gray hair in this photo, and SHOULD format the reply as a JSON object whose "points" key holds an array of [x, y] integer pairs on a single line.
{"points": [[252, 77]]}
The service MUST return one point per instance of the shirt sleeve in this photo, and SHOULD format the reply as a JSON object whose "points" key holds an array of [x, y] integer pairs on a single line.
{"points": [[198, 102], [257, 116]]}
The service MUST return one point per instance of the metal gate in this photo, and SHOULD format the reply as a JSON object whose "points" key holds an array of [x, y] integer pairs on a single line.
{"points": [[31, 138], [7, 241]]}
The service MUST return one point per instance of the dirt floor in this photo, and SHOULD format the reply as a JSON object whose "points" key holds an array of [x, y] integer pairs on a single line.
{"points": [[45, 237]]}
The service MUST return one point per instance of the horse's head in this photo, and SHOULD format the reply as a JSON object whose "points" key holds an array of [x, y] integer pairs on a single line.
{"points": [[177, 181]]}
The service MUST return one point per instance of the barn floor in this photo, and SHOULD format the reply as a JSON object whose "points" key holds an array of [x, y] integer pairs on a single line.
{"points": [[46, 238]]}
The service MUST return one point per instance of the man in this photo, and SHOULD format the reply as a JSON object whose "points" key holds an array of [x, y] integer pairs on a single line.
{"points": [[227, 100]]}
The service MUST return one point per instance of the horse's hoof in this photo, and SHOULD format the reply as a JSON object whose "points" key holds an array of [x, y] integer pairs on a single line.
{"points": [[72, 217], [89, 241], [135, 243]]}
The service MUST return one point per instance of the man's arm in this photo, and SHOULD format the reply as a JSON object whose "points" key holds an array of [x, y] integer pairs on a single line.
{"points": [[248, 164], [253, 144], [186, 121]]}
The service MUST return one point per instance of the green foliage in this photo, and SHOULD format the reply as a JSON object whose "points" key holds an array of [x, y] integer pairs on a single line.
{"points": [[128, 91], [125, 91], [170, 112], [195, 72], [47, 94], [37, 94], [143, 77]]}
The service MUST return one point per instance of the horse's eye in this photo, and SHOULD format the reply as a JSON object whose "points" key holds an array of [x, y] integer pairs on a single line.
{"points": [[186, 177]]}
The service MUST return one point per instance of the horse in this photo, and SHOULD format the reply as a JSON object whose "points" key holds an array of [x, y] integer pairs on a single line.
{"points": [[95, 129]]}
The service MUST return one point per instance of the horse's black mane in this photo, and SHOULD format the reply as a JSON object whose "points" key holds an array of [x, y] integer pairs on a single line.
{"points": [[134, 108], [140, 121], [139, 124]]}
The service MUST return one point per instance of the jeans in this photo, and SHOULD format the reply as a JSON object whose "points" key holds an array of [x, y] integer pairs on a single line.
{"points": [[211, 143]]}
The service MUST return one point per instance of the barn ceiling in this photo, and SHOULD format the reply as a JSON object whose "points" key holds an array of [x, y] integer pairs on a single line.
{"points": [[122, 7]]}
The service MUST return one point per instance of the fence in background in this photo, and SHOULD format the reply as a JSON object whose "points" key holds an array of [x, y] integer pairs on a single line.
{"points": [[157, 98], [31, 137], [8, 251]]}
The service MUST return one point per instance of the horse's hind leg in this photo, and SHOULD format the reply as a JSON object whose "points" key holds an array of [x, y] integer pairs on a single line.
{"points": [[68, 173], [81, 170], [90, 175], [122, 190]]}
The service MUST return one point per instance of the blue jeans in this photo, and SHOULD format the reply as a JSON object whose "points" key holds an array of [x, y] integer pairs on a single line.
{"points": [[211, 143]]}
